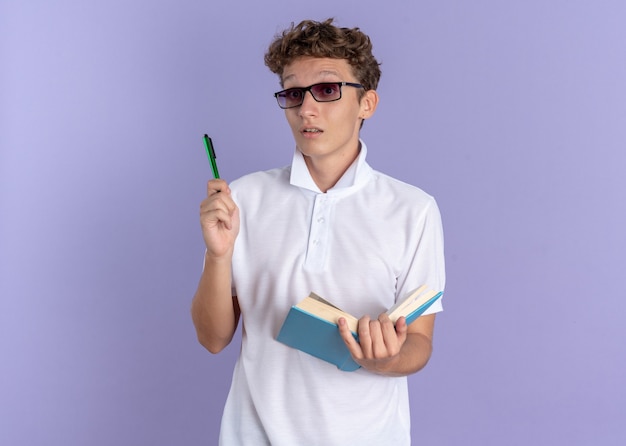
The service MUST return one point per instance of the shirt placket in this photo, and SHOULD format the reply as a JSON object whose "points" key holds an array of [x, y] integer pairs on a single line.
{"points": [[319, 233]]}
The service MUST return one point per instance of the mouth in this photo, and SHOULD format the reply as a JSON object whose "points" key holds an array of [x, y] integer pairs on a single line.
{"points": [[311, 131]]}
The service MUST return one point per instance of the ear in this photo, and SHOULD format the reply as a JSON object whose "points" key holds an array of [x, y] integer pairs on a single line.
{"points": [[369, 102]]}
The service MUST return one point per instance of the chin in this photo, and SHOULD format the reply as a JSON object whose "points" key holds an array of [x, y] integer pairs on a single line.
{"points": [[306, 145]]}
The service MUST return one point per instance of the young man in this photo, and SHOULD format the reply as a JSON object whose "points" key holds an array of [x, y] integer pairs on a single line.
{"points": [[330, 224]]}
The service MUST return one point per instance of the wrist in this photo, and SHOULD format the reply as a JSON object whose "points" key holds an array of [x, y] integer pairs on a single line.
{"points": [[218, 260]]}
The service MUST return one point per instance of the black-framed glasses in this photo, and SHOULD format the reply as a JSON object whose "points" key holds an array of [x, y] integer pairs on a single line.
{"points": [[322, 92]]}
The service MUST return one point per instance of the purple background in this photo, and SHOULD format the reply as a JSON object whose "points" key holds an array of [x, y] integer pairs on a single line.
{"points": [[513, 114]]}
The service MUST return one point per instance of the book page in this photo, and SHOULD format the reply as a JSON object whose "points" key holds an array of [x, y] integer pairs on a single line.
{"points": [[319, 307], [407, 300], [324, 301], [414, 301]]}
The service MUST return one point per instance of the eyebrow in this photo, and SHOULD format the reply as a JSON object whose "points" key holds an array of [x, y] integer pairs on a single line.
{"points": [[321, 74]]}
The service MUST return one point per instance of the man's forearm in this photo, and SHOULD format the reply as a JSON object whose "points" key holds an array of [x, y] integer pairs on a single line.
{"points": [[214, 311]]}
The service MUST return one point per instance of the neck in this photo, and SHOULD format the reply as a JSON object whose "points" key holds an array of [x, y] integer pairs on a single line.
{"points": [[326, 171]]}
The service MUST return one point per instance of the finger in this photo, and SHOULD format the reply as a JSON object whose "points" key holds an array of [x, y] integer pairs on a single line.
{"points": [[216, 186], [214, 211], [219, 201], [379, 346], [214, 217], [348, 338], [394, 336], [402, 328], [365, 338]]}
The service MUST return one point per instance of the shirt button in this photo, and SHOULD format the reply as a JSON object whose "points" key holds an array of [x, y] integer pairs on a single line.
{"points": [[321, 220]]}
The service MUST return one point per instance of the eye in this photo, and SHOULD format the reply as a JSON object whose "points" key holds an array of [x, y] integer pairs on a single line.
{"points": [[293, 94], [326, 91]]}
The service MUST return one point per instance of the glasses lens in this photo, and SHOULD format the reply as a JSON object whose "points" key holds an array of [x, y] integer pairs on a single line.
{"points": [[290, 98], [326, 92]]}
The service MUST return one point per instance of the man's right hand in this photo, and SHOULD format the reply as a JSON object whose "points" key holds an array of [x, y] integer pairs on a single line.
{"points": [[219, 219]]}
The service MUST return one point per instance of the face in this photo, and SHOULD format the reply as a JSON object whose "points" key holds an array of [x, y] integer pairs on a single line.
{"points": [[327, 131]]}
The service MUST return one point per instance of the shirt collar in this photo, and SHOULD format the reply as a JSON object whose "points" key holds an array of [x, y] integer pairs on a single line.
{"points": [[357, 174]]}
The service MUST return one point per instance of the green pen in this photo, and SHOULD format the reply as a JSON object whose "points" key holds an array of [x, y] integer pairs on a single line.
{"points": [[210, 152]]}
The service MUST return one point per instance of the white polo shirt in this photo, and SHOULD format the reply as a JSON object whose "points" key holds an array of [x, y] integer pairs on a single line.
{"points": [[364, 243]]}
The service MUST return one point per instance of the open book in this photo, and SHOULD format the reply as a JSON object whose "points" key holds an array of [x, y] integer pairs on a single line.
{"points": [[311, 325]]}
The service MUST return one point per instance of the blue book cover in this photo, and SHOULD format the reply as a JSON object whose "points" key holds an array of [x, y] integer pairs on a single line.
{"points": [[311, 326], [316, 336]]}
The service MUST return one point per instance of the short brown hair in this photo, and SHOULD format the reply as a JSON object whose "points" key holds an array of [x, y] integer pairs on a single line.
{"points": [[323, 39]]}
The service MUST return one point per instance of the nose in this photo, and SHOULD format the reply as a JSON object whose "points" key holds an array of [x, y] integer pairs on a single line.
{"points": [[309, 105]]}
